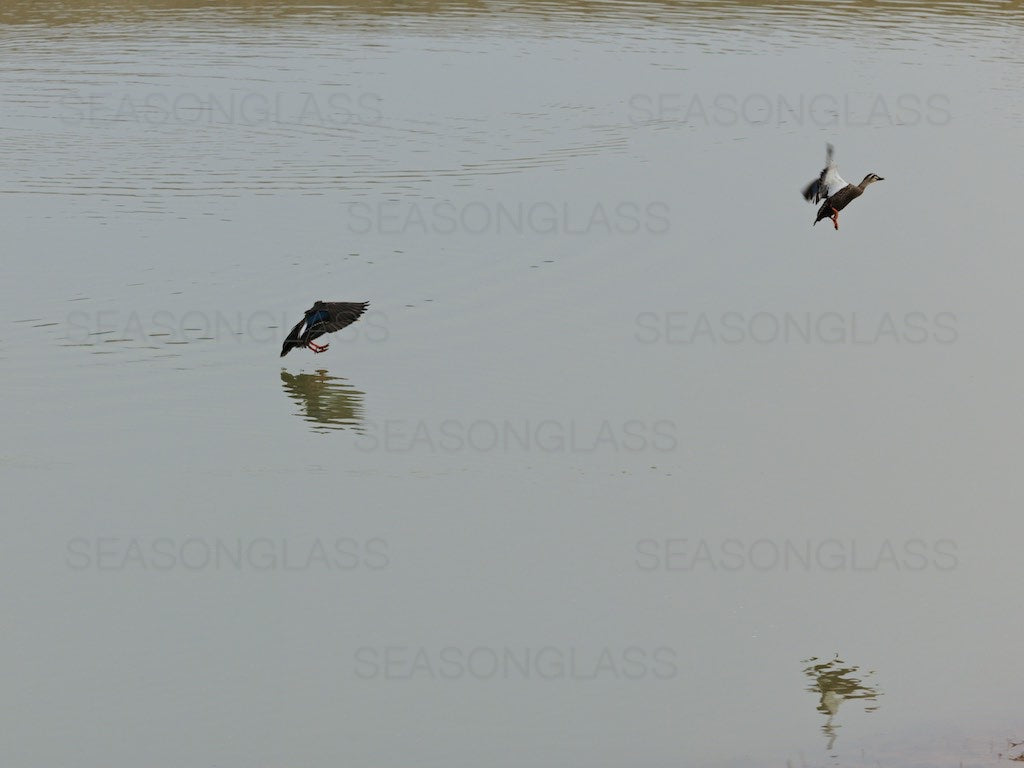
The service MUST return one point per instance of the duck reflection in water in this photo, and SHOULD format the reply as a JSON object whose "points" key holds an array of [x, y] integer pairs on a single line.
{"points": [[327, 402], [835, 682]]}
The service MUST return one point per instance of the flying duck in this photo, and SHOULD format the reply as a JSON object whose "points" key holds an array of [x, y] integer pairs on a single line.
{"points": [[834, 190], [323, 317]]}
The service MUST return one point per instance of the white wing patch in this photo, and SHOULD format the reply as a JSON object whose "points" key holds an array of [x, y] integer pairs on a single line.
{"points": [[833, 182]]}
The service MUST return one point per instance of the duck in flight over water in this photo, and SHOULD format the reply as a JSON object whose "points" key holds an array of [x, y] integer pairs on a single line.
{"points": [[323, 317], [834, 190]]}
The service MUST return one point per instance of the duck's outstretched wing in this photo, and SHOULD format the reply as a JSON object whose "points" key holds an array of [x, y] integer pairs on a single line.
{"points": [[331, 316], [812, 190], [293, 339], [828, 182]]}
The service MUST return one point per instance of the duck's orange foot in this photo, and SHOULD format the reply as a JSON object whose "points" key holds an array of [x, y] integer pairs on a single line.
{"points": [[835, 219], [317, 348]]}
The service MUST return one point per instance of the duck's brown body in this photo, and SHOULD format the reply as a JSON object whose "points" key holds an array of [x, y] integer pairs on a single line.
{"points": [[838, 201], [833, 205]]}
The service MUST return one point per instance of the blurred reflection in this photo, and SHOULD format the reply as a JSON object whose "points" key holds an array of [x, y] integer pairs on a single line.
{"points": [[327, 402], [835, 682]]}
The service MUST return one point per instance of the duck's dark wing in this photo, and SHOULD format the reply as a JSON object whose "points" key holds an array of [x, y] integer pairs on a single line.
{"points": [[811, 191], [323, 317], [828, 181], [331, 316], [293, 339]]}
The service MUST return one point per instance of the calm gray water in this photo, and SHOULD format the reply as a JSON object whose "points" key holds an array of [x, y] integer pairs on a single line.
{"points": [[627, 465]]}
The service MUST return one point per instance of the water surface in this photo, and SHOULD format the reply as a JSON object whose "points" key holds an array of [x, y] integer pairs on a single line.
{"points": [[627, 464]]}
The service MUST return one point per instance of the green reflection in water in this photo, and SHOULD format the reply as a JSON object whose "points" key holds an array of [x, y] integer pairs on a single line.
{"points": [[327, 402], [836, 681]]}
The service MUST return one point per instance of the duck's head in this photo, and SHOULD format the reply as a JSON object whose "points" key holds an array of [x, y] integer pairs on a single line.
{"points": [[870, 179]]}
